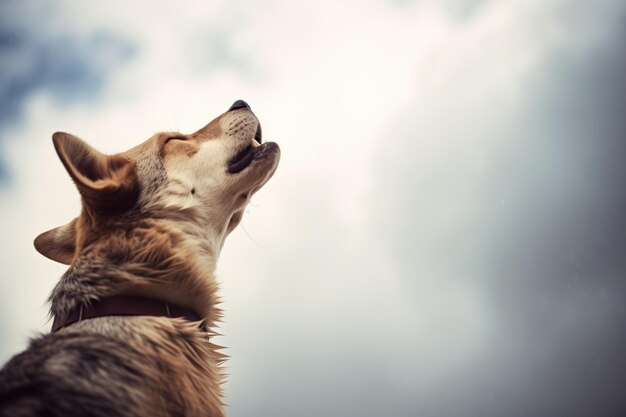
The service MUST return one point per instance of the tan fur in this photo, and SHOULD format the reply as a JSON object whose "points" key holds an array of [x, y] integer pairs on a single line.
{"points": [[152, 224]]}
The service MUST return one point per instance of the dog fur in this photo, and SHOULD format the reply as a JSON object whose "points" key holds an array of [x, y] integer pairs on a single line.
{"points": [[152, 224]]}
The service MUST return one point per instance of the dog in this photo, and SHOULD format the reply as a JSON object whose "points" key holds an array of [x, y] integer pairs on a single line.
{"points": [[134, 311]]}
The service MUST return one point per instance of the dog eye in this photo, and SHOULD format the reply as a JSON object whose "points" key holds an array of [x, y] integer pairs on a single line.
{"points": [[175, 138]]}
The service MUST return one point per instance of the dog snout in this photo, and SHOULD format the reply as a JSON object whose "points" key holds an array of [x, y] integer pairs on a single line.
{"points": [[239, 104]]}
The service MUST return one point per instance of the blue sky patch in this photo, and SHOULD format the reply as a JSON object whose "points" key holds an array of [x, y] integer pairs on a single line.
{"points": [[67, 67]]}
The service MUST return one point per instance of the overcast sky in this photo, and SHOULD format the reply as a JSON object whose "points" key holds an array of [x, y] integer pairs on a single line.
{"points": [[445, 234]]}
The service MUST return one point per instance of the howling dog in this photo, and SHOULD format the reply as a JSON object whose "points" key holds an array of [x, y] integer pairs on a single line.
{"points": [[134, 311]]}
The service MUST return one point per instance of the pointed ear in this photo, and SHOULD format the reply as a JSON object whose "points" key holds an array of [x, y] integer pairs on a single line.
{"points": [[58, 244], [106, 182]]}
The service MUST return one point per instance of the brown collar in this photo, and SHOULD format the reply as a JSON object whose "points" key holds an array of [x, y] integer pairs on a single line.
{"points": [[125, 306]]}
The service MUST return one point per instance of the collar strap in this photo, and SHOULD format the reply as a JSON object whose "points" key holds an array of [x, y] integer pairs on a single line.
{"points": [[125, 306]]}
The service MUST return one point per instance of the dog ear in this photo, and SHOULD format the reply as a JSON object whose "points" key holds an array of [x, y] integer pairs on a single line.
{"points": [[107, 183], [58, 244]]}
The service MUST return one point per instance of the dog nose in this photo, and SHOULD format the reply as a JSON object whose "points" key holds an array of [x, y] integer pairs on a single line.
{"points": [[239, 104]]}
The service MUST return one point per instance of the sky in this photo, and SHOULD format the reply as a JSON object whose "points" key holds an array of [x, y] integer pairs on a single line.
{"points": [[445, 233]]}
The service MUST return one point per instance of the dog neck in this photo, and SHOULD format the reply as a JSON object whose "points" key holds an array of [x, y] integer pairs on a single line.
{"points": [[164, 256]]}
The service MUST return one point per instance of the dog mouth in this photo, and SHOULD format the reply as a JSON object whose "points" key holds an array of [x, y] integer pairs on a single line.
{"points": [[245, 156]]}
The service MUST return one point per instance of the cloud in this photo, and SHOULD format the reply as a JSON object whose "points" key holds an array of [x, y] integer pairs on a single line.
{"points": [[38, 56], [507, 190], [462, 9], [447, 200]]}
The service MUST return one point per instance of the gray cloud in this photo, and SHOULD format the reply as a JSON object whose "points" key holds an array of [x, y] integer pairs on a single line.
{"points": [[458, 8], [212, 48], [542, 237], [36, 55]]}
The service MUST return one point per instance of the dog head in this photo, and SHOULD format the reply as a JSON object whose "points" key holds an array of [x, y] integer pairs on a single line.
{"points": [[203, 180]]}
